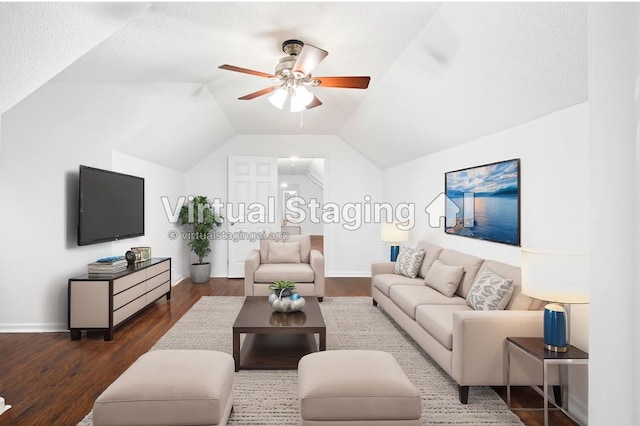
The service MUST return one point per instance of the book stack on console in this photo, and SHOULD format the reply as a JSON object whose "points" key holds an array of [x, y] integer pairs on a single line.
{"points": [[108, 265]]}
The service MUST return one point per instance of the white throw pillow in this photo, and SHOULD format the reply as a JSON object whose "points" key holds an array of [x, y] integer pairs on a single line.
{"points": [[444, 278], [284, 252], [490, 292], [408, 262]]}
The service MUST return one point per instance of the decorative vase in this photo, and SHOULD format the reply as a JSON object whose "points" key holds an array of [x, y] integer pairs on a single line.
{"points": [[200, 272], [281, 304], [284, 293], [131, 257], [297, 303], [293, 303]]}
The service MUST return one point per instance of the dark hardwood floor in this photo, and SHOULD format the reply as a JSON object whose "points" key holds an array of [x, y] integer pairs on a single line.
{"points": [[51, 380]]}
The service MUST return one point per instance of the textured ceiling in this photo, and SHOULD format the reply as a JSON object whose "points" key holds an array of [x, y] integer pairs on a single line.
{"points": [[474, 70], [442, 74], [37, 41]]}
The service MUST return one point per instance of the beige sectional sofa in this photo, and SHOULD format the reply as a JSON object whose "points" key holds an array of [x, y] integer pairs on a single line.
{"points": [[468, 344]]}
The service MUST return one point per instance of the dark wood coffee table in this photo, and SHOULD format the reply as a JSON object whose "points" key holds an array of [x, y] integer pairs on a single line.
{"points": [[276, 340]]}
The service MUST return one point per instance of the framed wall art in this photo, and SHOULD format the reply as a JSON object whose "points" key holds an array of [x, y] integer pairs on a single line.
{"points": [[485, 202]]}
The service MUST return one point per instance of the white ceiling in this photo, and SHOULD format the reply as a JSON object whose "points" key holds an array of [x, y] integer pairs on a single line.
{"points": [[441, 74]]}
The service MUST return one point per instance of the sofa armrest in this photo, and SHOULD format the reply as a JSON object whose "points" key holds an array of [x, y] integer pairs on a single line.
{"points": [[316, 260], [382, 268], [479, 346], [251, 264]]}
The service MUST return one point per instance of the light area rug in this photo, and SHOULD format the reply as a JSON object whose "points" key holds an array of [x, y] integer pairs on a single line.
{"points": [[270, 397]]}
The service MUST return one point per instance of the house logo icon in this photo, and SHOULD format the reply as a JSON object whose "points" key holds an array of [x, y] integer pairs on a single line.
{"points": [[442, 207]]}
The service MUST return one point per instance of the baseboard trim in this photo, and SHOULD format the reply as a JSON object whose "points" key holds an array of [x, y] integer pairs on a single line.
{"points": [[348, 274], [32, 328], [176, 281], [578, 409]]}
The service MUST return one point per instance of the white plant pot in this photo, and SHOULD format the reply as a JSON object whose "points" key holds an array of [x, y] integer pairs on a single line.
{"points": [[200, 273]]}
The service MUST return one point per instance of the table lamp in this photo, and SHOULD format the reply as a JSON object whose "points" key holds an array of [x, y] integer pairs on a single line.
{"points": [[394, 235], [555, 277]]}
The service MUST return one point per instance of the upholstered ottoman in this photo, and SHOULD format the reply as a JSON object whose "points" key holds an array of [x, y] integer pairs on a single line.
{"points": [[356, 387], [181, 387]]}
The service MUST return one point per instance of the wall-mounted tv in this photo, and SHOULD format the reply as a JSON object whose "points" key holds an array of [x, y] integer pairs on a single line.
{"points": [[485, 202], [111, 206]]}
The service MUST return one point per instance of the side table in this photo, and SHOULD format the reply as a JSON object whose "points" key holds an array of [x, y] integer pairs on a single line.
{"points": [[534, 347]]}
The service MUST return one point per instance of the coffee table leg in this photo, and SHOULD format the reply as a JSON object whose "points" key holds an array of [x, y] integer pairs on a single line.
{"points": [[236, 350], [323, 341]]}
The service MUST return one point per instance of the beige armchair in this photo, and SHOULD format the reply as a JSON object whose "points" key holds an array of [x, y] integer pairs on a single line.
{"points": [[291, 260]]}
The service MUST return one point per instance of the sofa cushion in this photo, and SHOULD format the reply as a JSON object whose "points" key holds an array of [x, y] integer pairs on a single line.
{"points": [[170, 387], [408, 262], [284, 252], [437, 320], [490, 291], [305, 247], [444, 278], [471, 266], [408, 297], [297, 272], [431, 253], [383, 282], [355, 387], [519, 301]]}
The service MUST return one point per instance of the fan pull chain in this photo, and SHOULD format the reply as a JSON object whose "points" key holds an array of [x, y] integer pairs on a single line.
{"points": [[301, 119]]}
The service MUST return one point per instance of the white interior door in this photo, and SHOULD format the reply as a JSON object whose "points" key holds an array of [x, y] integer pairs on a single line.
{"points": [[252, 192]]}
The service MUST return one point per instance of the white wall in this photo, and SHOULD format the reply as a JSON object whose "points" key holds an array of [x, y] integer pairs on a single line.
{"points": [[553, 152], [614, 375], [554, 167], [45, 138], [159, 182], [349, 178]]}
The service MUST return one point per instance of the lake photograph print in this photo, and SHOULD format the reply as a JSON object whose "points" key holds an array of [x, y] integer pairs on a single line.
{"points": [[487, 200]]}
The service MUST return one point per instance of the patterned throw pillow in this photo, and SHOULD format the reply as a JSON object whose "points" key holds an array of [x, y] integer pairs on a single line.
{"points": [[408, 262], [490, 292]]}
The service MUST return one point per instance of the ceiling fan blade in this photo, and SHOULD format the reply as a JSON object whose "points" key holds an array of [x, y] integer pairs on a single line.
{"points": [[344, 82], [258, 93], [314, 103], [308, 59], [245, 70]]}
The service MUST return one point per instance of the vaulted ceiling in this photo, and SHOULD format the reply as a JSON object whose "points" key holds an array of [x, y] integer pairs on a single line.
{"points": [[441, 74]]}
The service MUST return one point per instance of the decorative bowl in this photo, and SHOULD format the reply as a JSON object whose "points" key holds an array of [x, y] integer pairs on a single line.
{"points": [[293, 303]]}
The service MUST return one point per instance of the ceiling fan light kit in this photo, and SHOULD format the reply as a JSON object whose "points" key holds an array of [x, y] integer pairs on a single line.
{"points": [[278, 98], [293, 72], [297, 98]]}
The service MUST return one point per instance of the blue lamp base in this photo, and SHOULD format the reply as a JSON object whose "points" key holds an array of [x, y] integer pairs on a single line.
{"points": [[395, 250], [555, 328]]}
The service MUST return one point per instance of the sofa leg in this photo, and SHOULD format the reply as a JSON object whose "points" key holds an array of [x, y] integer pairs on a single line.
{"points": [[374, 302], [463, 394], [320, 299], [557, 395]]}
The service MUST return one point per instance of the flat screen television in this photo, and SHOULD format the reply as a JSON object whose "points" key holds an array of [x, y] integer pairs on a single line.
{"points": [[111, 206]]}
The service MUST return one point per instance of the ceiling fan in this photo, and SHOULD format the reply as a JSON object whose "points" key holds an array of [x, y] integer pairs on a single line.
{"points": [[293, 74]]}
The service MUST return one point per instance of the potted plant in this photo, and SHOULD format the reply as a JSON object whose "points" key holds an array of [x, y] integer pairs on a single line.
{"points": [[282, 297], [282, 288], [200, 217]]}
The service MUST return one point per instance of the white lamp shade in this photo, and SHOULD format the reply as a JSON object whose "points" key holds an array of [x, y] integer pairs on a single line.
{"points": [[555, 277], [278, 98], [300, 98], [392, 234]]}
